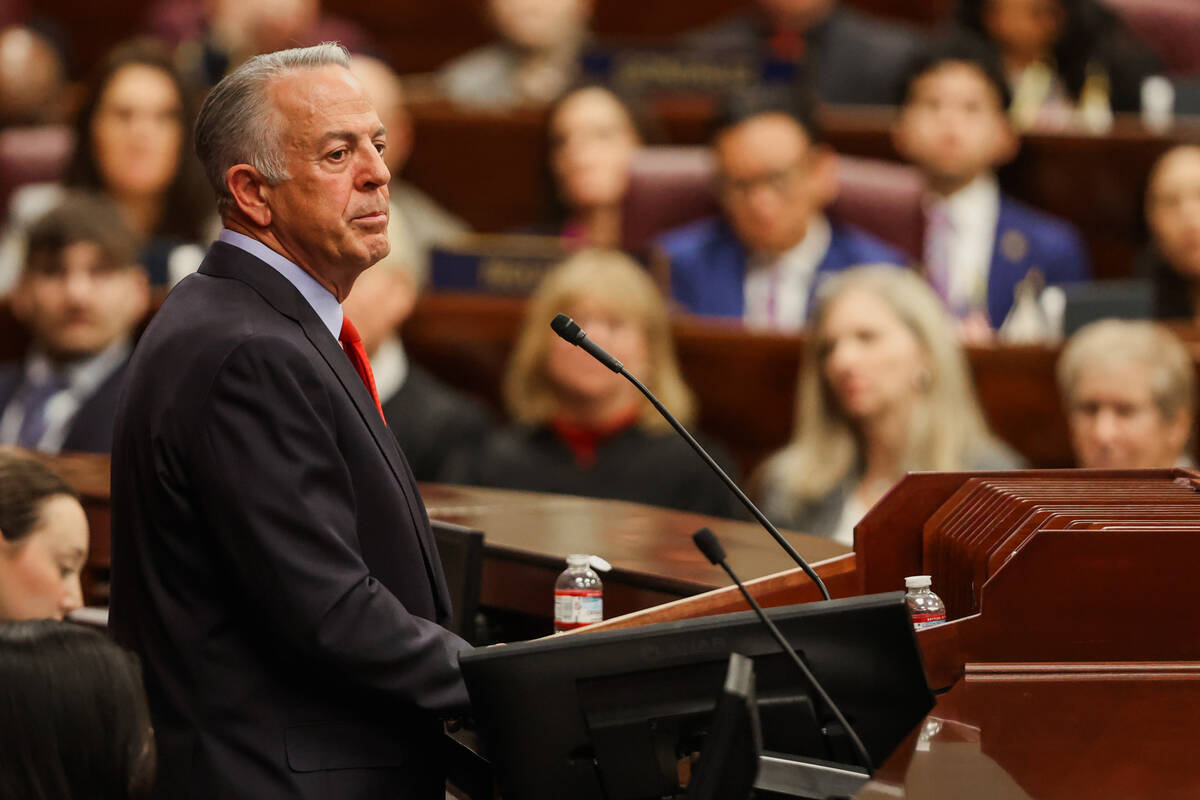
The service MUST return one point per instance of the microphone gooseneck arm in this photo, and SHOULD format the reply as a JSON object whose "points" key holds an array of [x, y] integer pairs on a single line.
{"points": [[567, 328]]}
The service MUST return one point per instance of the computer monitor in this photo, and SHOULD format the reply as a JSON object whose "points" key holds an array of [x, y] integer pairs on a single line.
{"points": [[729, 761], [611, 715]]}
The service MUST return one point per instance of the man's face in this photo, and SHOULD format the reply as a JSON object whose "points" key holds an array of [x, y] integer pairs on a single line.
{"points": [[540, 24], [953, 126], [76, 303], [771, 181], [331, 215]]}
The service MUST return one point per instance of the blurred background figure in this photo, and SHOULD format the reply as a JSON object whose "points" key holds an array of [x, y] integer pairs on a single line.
{"points": [[762, 261], [32, 79], [884, 390], [849, 57], [417, 223], [1129, 389], [43, 547], [1067, 61], [76, 722], [979, 243], [593, 139], [132, 143], [430, 420], [580, 428], [1172, 260], [535, 60], [81, 295]]}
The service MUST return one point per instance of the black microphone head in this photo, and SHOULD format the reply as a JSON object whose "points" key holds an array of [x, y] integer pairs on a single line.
{"points": [[567, 328], [708, 544]]}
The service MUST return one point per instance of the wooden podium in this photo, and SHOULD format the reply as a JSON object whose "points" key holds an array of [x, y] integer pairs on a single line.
{"points": [[1070, 664]]}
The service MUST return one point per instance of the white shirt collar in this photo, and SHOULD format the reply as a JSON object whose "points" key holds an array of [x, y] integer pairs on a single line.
{"points": [[321, 299], [973, 213], [777, 288], [978, 201]]}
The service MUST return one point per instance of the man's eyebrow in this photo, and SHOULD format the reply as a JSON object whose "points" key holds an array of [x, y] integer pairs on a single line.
{"points": [[348, 136]]}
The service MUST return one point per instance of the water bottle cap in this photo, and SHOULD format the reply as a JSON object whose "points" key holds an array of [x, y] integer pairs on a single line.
{"points": [[918, 582], [578, 559]]}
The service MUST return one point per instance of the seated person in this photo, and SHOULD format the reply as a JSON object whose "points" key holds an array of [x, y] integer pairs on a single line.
{"points": [[134, 144], [536, 59], [32, 79], [1129, 389], [593, 139], [81, 296], [417, 223], [1066, 61], [43, 542], [1172, 260], [76, 720], [429, 419], [762, 261], [854, 59], [979, 243], [884, 390], [579, 427]]}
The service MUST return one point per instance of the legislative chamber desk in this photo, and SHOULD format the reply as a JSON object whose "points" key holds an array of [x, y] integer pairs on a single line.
{"points": [[1070, 664]]}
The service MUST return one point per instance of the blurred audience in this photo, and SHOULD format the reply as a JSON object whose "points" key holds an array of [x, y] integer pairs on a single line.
{"points": [[32, 79], [1129, 389], [430, 420], [579, 427], [417, 223], [1172, 260], [884, 390], [979, 243], [593, 139], [133, 143], [43, 545], [81, 295], [76, 720], [849, 57], [1067, 61], [763, 260], [535, 60]]}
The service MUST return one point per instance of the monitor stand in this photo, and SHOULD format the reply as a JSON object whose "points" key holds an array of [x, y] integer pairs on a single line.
{"points": [[793, 776]]}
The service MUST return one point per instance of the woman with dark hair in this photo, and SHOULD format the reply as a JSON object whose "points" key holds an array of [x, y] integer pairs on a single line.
{"points": [[133, 142], [43, 542], [75, 722], [1064, 57]]}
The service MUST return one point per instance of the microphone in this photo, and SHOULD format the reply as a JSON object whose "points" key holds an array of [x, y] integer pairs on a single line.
{"points": [[570, 331], [708, 544]]}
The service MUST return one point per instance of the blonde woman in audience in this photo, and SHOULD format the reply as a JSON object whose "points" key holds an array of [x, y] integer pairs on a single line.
{"points": [[579, 428], [43, 541], [884, 390], [1172, 260], [593, 139], [1130, 393], [535, 60], [133, 144]]}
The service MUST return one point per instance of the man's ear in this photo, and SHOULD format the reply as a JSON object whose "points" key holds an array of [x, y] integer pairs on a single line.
{"points": [[250, 193]]}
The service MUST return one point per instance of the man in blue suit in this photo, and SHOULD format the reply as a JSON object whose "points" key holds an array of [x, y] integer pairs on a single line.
{"points": [[764, 259], [979, 243]]}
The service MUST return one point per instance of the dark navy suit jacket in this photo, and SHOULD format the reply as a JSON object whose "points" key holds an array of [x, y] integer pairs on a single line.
{"points": [[272, 562], [708, 263], [1025, 239], [91, 429]]}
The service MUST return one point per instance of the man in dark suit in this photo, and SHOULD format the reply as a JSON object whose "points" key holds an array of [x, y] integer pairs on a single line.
{"points": [[81, 294], [850, 58], [273, 564], [764, 258]]}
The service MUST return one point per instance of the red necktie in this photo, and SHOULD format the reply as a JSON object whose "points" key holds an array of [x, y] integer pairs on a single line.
{"points": [[352, 344]]}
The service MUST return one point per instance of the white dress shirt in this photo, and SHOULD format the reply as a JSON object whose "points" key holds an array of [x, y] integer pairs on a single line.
{"points": [[776, 289], [973, 212]]}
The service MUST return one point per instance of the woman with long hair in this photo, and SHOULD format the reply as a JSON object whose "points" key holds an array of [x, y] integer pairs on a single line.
{"points": [[884, 390]]}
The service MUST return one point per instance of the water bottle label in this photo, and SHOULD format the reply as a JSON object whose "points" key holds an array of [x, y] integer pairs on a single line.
{"points": [[574, 608], [928, 619]]}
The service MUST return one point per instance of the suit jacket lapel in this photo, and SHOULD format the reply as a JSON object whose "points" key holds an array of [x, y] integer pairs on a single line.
{"points": [[225, 260]]}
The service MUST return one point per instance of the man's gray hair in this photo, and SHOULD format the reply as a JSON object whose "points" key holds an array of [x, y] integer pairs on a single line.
{"points": [[237, 122]]}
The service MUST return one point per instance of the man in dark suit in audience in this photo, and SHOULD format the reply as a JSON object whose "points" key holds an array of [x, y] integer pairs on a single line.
{"points": [[849, 57], [273, 564], [763, 260], [81, 294]]}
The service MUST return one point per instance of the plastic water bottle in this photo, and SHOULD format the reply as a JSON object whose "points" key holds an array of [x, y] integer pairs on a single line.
{"points": [[578, 595], [927, 608]]}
